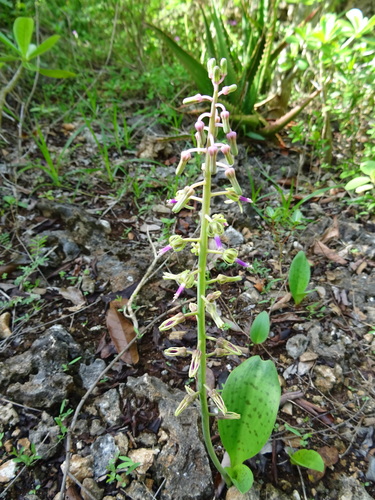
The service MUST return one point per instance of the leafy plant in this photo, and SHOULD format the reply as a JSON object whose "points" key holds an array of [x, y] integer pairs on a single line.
{"points": [[249, 61], [307, 458], [115, 472], [26, 457], [260, 328], [364, 183], [24, 52], [63, 415], [246, 415], [299, 277]]}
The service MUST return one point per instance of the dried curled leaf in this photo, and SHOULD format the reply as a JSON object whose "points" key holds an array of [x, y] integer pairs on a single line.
{"points": [[122, 332]]}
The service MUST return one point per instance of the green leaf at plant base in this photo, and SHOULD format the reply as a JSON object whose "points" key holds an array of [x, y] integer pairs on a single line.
{"points": [[56, 73], [253, 391], [260, 328], [6, 59], [43, 47], [241, 476], [23, 28], [307, 458], [368, 168], [299, 277]]}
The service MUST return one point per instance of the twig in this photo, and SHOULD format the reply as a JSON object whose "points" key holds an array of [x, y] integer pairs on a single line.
{"points": [[85, 490], [302, 482], [160, 487]]}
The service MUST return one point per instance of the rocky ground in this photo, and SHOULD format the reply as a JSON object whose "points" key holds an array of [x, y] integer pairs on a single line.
{"points": [[63, 330]]}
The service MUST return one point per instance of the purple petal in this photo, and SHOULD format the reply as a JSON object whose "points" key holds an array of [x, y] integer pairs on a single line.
{"points": [[181, 288], [218, 242], [244, 199], [241, 263], [165, 249], [173, 200]]}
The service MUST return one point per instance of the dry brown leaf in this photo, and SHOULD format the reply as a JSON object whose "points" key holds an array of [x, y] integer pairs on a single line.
{"points": [[330, 456], [73, 294], [281, 303], [322, 249], [332, 232], [121, 331]]}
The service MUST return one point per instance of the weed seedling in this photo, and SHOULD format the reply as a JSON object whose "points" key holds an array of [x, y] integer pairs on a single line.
{"points": [[25, 457], [60, 420], [115, 472]]}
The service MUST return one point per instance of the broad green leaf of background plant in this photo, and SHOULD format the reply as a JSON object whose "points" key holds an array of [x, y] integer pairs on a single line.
{"points": [[56, 73], [8, 43], [307, 458], [368, 168], [197, 71], [358, 182], [299, 277], [241, 476], [43, 47], [23, 28], [253, 391], [260, 328]]}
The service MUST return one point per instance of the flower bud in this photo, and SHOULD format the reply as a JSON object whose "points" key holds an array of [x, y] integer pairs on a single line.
{"points": [[195, 363], [229, 89], [232, 139], [176, 351], [177, 242], [223, 66], [210, 66], [215, 228], [230, 174], [222, 279], [183, 198], [187, 401], [171, 322], [230, 415], [193, 99], [225, 119], [228, 155], [199, 127], [216, 75], [229, 255], [193, 307], [212, 310], [185, 157], [229, 347], [218, 401], [211, 159], [211, 297]]}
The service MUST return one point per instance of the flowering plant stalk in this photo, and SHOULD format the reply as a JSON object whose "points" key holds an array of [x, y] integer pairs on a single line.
{"points": [[218, 154]]}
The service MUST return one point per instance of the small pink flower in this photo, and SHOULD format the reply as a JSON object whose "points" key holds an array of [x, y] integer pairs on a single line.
{"points": [[218, 242], [241, 263]]}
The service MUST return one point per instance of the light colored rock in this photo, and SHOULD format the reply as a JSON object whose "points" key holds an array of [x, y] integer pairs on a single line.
{"points": [[89, 373], [7, 471], [350, 489], [234, 494], [327, 377], [109, 407], [122, 442], [92, 487], [297, 345], [144, 456], [80, 467], [138, 491], [46, 428], [8, 416], [103, 449], [234, 237]]}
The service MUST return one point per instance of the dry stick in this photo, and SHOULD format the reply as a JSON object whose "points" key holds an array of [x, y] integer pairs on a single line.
{"points": [[61, 117], [85, 490]]}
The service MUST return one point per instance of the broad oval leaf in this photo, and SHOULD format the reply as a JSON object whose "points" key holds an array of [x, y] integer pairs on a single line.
{"points": [[43, 47], [357, 182], [260, 328], [241, 476], [253, 391], [56, 73], [23, 28], [299, 277], [309, 459]]}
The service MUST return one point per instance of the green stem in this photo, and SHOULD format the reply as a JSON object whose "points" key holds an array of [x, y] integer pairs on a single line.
{"points": [[201, 292]]}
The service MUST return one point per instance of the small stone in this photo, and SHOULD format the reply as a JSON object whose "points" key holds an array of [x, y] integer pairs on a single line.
{"points": [[147, 439], [145, 457], [122, 442], [8, 416], [234, 494], [80, 467], [138, 491], [308, 356], [92, 487], [89, 373], [297, 345], [109, 407], [7, 471], [304, 368], [234, 237], [96, 428], [327, 377], [104, 450], [287, 408], [5, 331]]}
